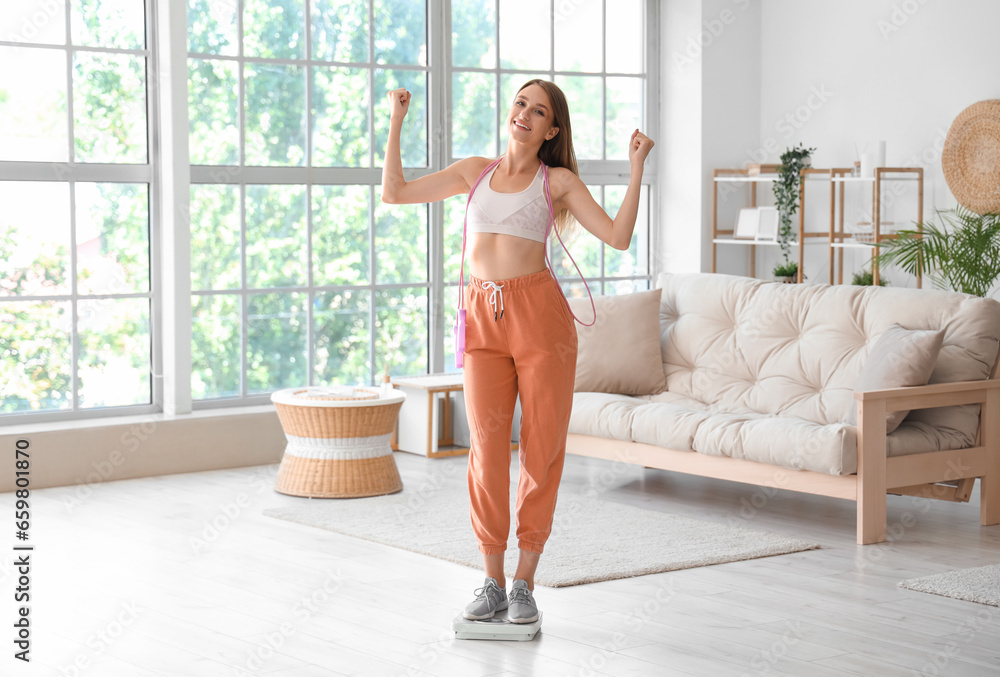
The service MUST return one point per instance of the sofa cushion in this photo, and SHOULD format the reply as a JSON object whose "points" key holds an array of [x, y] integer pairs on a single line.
{"points": [[900, 358], [681, 424], [740, 344], [620, 352]]}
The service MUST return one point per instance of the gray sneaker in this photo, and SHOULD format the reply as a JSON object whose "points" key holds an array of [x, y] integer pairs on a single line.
{"points": [[522, 604], [490, 599]]}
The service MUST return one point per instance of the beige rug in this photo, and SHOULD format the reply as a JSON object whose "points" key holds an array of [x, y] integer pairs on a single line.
{"points": [[592, 539], [980, 584]]}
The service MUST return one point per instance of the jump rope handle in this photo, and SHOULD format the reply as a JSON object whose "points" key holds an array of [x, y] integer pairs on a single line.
{"points": [[548, 226]]}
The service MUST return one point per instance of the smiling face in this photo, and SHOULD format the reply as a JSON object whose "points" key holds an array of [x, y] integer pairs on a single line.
{"points": [[531, 118]]}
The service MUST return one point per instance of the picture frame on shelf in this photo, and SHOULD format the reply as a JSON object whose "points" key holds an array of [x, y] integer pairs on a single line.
{"points": [[747, 222], [767, 224]]}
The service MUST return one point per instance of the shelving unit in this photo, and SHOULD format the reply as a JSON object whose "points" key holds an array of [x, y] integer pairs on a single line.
{"points": [[744, 176], [836, 238], [840, 239]]}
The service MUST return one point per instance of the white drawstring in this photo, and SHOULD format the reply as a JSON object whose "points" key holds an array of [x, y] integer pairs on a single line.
{"points": [[493, 297]]}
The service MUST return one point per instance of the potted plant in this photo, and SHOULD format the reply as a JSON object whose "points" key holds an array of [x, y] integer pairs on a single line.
{"points": [[864, 278], [786, 199], [964, 257], [786, 272]]}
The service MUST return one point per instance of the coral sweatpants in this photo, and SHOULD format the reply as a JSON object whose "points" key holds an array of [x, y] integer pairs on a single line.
{"points": [[519, 339]]}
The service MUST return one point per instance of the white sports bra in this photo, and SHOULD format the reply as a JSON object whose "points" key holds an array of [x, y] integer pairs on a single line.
{"points": [[524, 214]]}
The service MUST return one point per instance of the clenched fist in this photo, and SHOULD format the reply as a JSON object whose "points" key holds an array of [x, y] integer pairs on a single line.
{"points": [[638, 147], [399, 104]]}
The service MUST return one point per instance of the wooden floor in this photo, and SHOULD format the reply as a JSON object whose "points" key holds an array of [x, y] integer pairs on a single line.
{"points": [[182, 576]]}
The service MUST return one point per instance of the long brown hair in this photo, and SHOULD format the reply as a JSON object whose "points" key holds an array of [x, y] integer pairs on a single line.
{"points": [[558, 151]]}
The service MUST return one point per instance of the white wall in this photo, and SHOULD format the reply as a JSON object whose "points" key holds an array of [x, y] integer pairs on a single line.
{"points": [[710, 106], [825, 74]]}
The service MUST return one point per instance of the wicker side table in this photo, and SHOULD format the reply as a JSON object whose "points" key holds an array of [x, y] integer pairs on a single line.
{"points": [[338, 442]]}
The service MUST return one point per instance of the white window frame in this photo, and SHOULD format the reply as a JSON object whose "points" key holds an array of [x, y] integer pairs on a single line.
{"points": [[169, 176], [72, 173]]}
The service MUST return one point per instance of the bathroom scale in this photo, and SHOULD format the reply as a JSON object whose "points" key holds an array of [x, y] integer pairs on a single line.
{"points": [[497, 627]]}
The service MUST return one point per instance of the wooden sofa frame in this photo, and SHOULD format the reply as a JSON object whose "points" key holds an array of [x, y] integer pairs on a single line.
{"points": [[942, 475]]}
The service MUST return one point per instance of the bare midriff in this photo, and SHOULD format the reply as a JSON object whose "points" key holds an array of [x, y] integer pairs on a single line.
{"points": [[496, 256]]}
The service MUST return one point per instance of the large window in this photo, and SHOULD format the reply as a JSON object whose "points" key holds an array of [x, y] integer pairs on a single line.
{"points": [[76, 287], [299, 274]]}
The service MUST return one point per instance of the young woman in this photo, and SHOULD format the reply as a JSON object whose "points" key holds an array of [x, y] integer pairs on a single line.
{"points": [[520, 337]]}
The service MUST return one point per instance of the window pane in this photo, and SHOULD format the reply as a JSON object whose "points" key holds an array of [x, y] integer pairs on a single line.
{"points": [[212, 27], [276, 236], [274, 29], [114, 352], [474, 107], [400, 32], [276, 341], [33, 105], [401, 329], [400, 243], [340, 235], [633, 261], [579, 29], [112, 238], [213, 100], [215, 346], [454, 218], [34, 238], [473, 33], [414, 136], [276, 114], [340, 30], [342, 331], [215, 237], [624, 103], [36, 21], [109, 108], [525, 44], [109, 23], [622, 287], [626, 37], [35, 354], [585, 248], [586, 107], [340, 117]]}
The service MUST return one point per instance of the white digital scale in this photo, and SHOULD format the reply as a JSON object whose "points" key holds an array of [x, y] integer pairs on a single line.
{"points": [[498, 627]]}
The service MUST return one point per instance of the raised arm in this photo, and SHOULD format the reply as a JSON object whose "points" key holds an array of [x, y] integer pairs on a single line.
{"points": [[617, 231], [452, 180]]}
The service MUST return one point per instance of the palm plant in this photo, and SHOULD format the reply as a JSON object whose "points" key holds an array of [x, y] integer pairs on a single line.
{"points": [[964, 257]]}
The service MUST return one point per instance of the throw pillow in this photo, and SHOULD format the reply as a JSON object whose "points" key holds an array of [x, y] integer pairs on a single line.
{"points": [[620, 353], [900, 358]]}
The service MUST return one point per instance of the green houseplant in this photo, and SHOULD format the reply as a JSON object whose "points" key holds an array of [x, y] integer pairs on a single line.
{"points": [[864, 278], [786, 199], [786, 272], [962, 254]]}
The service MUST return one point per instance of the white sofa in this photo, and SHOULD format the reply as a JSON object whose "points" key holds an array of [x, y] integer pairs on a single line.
{"points": [[760, 381]]}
